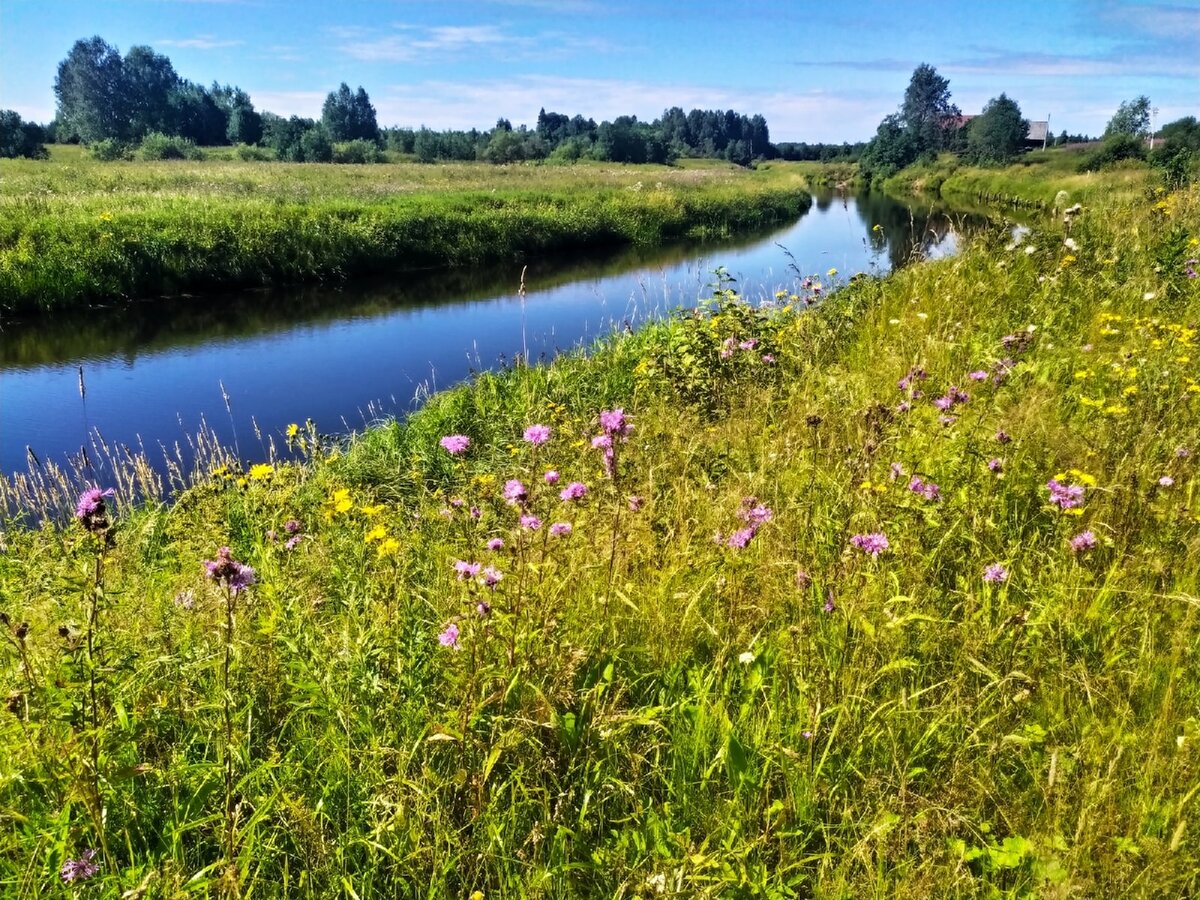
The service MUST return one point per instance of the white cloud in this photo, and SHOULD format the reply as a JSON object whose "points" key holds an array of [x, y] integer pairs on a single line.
{"points": [[199, 42]]}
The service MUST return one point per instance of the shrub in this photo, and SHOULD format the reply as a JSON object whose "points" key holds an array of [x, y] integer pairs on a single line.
{"points": [[250, 153], [168, 146], [110, 150], [357, 152], [1116, 149]]}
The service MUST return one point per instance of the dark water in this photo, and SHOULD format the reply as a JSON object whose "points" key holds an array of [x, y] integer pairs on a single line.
{"points": [[342, 355]]}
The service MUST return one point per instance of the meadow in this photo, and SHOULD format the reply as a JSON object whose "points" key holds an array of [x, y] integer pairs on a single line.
{"points": [[888, 591], [75, 231]]}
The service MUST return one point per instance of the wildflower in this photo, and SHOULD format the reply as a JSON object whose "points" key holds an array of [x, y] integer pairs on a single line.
{"points": [[1182, 452], [491, 576], [552, 477], [475, 512], [457, 502], [1083, 542], [951, 398], [995, 465], [831, 272], [271, 535], [1065, 496], [449, 637], [537, 434], [829, 606], [995, 574], [613, 422], [465, 569], [495, 544], [532, 523], [483, 608], [515, 492], [748, 344], [378, 533], [602, 442], [803, 579], [768, 358], [91, 511], [573, 491], [233, 574], [947, 421], [741, 538], [293, 542], [185, 599], [1166, 481], [978, 375], [915, 374], [388, 547], [746, 658], [261, 472], [873, 543], [926, 489], [1002, 437], [636, 502], [292, 431], [903, 406], [560, 529], [727, 346], [291, 526], [807, 735], [79, 869], [454, 444], [754, 513]]}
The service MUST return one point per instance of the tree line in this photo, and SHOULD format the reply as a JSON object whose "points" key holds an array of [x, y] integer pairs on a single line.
{"points": [[928, 123]]}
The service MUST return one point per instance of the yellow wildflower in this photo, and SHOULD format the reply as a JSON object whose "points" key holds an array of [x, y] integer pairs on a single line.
{"points": [[261, 471], [292, 431], [388, 547], [378, 533]]}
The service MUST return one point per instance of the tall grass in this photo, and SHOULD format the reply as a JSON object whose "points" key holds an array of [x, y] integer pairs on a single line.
{"points": [[75, 231], [720, 696]]}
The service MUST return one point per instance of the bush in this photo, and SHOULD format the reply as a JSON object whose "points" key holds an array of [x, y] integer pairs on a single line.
{"points": [[315, 146], [1116, 149], [110, 150], [357, 152], [157, 145], [250, 153]]}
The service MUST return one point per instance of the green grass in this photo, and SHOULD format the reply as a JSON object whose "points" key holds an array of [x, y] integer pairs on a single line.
{"points": [[647, 711], [1034, 181], [75, 231]]}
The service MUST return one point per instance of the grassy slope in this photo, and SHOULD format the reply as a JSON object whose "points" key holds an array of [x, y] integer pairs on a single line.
{"points": [[73, 230], [647, 708], [1033, 182]]}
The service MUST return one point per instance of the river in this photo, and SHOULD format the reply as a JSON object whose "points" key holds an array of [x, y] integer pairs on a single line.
{"points": [[246, 364]]}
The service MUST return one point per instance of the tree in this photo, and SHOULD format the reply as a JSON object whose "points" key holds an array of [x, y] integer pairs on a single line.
{"points": [[1132, 118], [149, 81], [91, 92], [892, 148], [348, 115], [998, 134], [927, 112], [20, 138]]}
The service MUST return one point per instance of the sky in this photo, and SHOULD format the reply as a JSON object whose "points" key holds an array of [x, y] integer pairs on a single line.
{"points": [[818, 71]]}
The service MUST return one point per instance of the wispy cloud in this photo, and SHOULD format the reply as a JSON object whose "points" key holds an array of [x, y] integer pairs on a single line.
{"points": [[412, 43], [199, 42]]}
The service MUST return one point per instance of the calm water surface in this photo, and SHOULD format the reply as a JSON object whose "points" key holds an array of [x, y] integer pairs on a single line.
{"points": [[343, 355]]}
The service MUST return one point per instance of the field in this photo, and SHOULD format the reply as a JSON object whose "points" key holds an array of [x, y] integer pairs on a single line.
{"points": [[890, 594], [75, 231]]}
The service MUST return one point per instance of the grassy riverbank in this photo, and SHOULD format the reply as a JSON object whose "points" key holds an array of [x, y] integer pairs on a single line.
{"points": [[75, 231], [711, 686], [1033, 182]]}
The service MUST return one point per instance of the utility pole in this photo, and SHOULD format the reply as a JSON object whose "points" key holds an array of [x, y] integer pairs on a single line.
{"points": [[1153, 119]]}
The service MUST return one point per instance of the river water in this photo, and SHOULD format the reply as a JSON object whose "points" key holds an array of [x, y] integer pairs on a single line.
{"points": [[246, 364]]}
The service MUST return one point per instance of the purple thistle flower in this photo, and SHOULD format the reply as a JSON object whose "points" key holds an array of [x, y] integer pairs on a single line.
{"points": [[996, 465], [483, 608], [926, 489], [807, 735], [291, 526], [515, 492], [635, 503], [803, 579], [602, 442], [1166, 481], [741, 538], [995, 574], [1182, 452], [454, 444], [561, 529], [613, 422], [537, 434], [874, 543], [754, 513], [91, 511], [915, 374], [552, 477], [185, 599], [532, 523], [1083, 542], [495, 544], [1003, 437], [79, 869], [749, 344], [978, 375], [895, 470], [574, 491], [768, 358], [947, 421], [1066, 496], [449, 637], [903, 406], [943, 403], [457, 502], [465, 569], [293, 542], [475, 512], [491, 576], [829, 605], [228, 571]]}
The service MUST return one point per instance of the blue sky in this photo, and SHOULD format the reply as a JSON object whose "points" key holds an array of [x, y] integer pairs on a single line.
{"points": [[819, 71]]}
